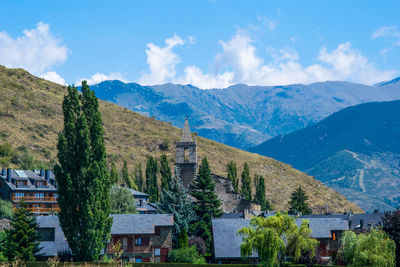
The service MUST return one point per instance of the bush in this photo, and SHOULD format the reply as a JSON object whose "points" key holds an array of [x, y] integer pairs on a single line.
{"points": [[164, 145], [5, 209], [186, 255]]}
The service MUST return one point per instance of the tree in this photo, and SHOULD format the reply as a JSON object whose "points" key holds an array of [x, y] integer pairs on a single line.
{"points": [[151, 179], [127, 178], [298, 202], [5, 208], [274, 237], [374, 248], [122, 201], [165, 171], [246, 182], [186, 255], [260, 198], [232, 175], [391, 225], [301, 244], [183, 239], [139, 176], [207, 204], [22, 237], [176, 201], [114, 177], [82, 176]]}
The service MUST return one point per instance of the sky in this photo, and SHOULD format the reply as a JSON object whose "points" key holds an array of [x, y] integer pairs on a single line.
{"points": [[208, 43]]}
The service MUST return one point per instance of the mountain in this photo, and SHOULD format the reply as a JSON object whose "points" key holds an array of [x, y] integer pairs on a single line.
{"points": [[355, 151], [241, 115], [31, 117]]}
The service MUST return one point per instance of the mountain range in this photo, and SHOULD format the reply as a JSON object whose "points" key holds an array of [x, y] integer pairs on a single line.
{"points": [[355, 151], [31, 117], [244, 116]]}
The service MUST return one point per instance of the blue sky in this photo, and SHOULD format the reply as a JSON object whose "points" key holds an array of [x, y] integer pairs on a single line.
{"points": [[209, 44]]}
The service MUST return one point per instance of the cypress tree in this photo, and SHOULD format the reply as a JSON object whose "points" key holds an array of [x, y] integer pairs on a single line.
{"points": [[260, 198], [232, 175], [151, 179], [246, 182], [165, 172], [139, 176], [114, 173], [82, 176], [298, 202], [22, 237], [175, 200], [207, 204]]}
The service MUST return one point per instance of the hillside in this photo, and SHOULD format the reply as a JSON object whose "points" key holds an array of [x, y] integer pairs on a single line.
{"points": [[30, 115], [356, 151], [241, 115]]}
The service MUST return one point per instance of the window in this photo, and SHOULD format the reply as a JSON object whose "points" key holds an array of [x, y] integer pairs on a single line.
{"points": [[157, 231], [138, 241], [21, 183], [19, 195], [46, 234], [157, 252], [333, 236], [186, 154], [138, 259], [124, 243], [39, 195]]}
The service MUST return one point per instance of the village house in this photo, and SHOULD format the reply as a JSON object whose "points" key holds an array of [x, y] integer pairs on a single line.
{"points": [[37, 188], [142, 202], [142, 237]]}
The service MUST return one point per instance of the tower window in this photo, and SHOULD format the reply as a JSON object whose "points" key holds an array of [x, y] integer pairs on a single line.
{"points": [[186, 154]]}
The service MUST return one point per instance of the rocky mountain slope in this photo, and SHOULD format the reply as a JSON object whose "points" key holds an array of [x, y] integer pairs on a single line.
{"points": [[31, 117], [241, 115], [355, 151]]}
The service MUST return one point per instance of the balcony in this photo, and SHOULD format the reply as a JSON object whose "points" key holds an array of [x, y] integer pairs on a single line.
{"points": [[34, 199], [130, 249], [39, 210]]}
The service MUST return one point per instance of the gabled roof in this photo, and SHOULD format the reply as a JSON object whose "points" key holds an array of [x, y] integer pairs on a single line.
{"points": [[139, 223], [30, 176], [369, 220], [323, 227], [137, 193]]}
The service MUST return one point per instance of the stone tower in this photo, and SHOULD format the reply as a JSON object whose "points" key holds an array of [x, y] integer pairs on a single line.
{"points": [[186, 157]]}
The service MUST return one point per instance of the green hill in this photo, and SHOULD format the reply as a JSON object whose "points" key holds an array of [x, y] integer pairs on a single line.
{"points": [[31, 116]]}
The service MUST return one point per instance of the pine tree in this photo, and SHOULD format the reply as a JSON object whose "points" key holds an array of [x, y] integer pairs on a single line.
{"points": [[114, 177], [175, 200], [151, 179], [139, 176], [165, 172], [22, 237], [127, 178], [232, 175], [82, 176], [298, 202], [207, 205], [246, 182]]}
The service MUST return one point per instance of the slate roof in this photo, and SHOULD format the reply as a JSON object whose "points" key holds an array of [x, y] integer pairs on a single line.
{"points": [[322, 227], [145, 207], [51, 248], [139, 223], [226, 240], [370, 220], [28, 175], [137, 193]]}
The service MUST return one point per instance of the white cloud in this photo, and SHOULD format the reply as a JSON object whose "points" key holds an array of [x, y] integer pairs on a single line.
{"points": [[53, 77], [100, 77], [386, 31], [238, 63], [271, 24], [162, 61], [37, 50]]}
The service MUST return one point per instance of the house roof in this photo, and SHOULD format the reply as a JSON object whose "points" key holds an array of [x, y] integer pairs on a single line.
{"points": [[137, 193], [369, 219], [322, 227], [51, 248], [226, 240], [139, 223], [145, 207], [30, 176]]}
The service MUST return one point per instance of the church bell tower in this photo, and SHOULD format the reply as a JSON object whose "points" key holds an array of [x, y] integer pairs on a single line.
{"points": [[186, 157]]}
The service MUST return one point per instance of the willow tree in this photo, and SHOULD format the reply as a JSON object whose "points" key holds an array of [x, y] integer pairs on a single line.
{"points": [[82, 176]]}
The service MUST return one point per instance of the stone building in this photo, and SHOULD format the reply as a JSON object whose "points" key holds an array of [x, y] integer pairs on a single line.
{"points": [[186, 157]]}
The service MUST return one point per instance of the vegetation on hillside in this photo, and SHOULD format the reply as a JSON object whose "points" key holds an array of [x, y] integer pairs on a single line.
{"points": [[31, 116]]}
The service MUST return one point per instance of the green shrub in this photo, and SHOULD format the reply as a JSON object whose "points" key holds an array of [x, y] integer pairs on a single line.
{"points": [[186, 255], [5, 208]]}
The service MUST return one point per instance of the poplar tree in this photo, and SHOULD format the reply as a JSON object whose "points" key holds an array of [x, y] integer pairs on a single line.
{"points": [[82, 176], [175, 200], [298, 204], [114, 173], [151, 179], [22, 238], [246, 182], [165, 172], [260, 199], [232, 175], [139, 176], [127, 178], [207, 204]]}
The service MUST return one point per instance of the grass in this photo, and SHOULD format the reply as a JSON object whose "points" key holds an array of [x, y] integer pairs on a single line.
{"points": [[31, 115]]}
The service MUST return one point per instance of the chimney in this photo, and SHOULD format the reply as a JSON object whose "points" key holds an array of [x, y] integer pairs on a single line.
{"points": [[41, 173], [246, 214], [47, 176], [362, 224], [3, 172], [140, 202], [9, 175]]}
